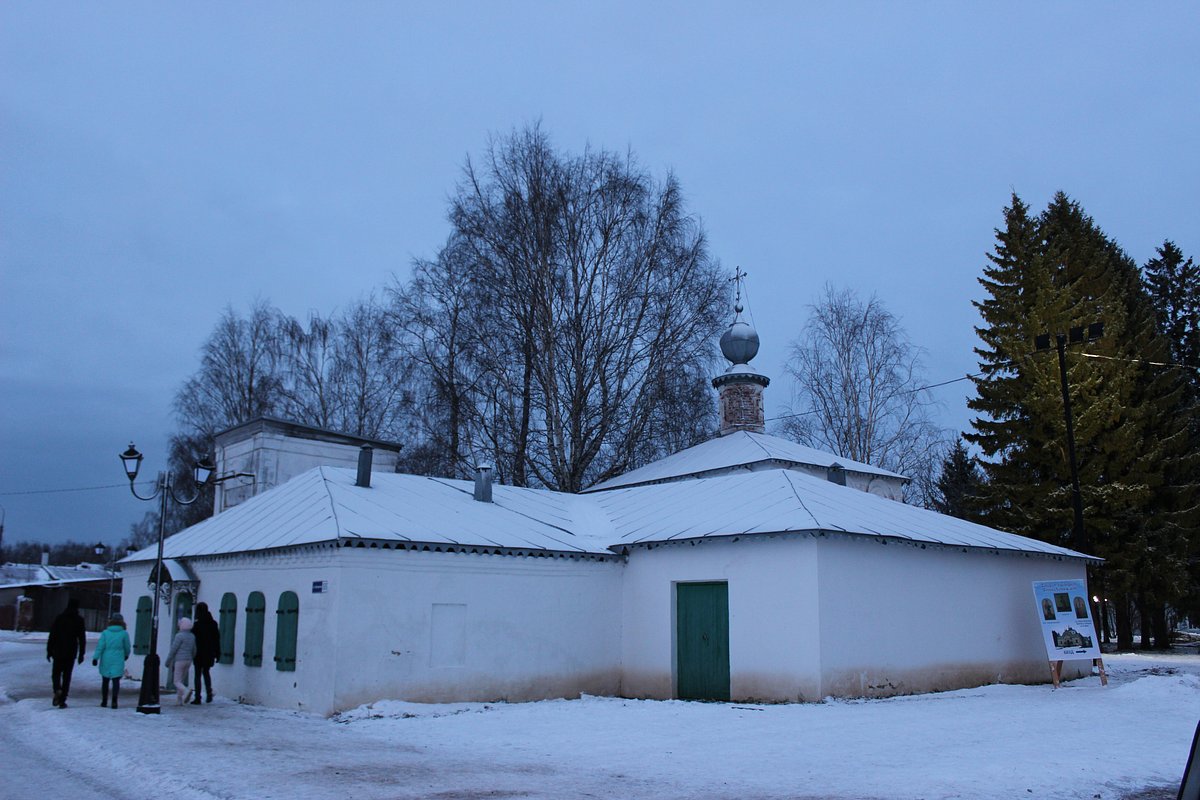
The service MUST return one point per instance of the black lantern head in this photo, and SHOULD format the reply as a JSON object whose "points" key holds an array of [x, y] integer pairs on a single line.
{"points": [[132, 460], [202, 472]]}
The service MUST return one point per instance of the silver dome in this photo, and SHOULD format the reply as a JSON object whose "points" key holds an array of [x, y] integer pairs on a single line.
{"points": [[739, 343]]}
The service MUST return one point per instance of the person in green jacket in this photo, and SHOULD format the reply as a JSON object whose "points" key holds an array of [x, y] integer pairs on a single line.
{"points": [[112, 651]]}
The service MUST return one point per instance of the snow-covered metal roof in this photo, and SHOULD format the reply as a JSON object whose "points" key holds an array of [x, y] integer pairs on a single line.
{"points": [[324, 505], [786, 501], [37, 574], [743, 449]]}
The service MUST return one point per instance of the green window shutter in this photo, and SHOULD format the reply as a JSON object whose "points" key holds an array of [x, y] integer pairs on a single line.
{"points": [[286, 624], [228, 625], [141, 630], [256, 610]]}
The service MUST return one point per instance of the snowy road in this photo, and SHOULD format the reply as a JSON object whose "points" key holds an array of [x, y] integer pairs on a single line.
{"points": [[993, 742]]}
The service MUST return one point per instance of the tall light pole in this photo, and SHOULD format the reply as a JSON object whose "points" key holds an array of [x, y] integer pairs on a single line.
{"points": [[163, 488], [1042, 342], [1076, 335]]}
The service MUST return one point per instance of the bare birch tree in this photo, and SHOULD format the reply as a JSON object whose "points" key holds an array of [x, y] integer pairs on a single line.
{"points": [[596, 292], [856, 389]]}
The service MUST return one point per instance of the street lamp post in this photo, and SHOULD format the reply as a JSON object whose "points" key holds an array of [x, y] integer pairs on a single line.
{"points": [[100, 549], [163, 488], [1041, 342]]}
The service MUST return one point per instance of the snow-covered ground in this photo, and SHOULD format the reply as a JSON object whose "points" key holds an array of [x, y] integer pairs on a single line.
{"points": [[1081, 741]]}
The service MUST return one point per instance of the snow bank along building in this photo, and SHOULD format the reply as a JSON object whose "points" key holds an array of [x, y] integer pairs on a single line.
{"points": [[746, 568]]}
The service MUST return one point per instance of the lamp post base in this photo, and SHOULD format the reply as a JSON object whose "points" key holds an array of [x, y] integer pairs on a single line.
{"points": [[148, 696]]}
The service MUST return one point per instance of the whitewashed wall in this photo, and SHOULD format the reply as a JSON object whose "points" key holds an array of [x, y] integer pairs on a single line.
{"points": [[773, 622], [419, 626], [896, 618], [844, 616], [310, 687], [438, 627]]}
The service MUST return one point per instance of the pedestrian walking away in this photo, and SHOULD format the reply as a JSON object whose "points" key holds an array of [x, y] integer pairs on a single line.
{"points": [[110, 655], [65, 648], [179, 659], [208, 647]]}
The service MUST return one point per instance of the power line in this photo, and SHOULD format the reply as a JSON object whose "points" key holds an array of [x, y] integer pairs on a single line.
{"points": [[1140, 361], [74, 489], [904, 391]]}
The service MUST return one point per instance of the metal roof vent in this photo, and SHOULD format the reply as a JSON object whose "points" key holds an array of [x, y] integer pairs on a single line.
{"points": [[837, 474], [364, 466], [483, 483]]}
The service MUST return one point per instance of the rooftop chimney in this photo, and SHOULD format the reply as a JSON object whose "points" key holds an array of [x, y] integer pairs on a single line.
{"points": [[837, 474], [364, 467], [45, 558], [483, 483]]}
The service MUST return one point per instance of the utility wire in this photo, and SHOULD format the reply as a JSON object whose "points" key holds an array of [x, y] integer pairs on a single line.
{"points": [[74, 489], [1139, 361]]}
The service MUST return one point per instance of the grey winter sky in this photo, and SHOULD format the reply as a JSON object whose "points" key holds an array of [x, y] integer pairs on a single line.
{"points": [[161, 161]]}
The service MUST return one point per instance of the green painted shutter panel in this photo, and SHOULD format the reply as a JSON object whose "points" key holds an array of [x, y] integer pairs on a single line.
{"points": [[256, 611], [228, 626], [702, 640], [286, 624], [141, 630]]}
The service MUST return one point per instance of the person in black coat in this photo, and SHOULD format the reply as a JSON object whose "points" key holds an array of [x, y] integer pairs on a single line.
{"points": [[65, 649], [208, 648]]}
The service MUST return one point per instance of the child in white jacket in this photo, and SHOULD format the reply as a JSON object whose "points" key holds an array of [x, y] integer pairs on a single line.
{"points": [[183, 651]]}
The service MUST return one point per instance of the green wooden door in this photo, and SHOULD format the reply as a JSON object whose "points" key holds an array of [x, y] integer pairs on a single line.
{"points": [[702, 640], [183, 608]]}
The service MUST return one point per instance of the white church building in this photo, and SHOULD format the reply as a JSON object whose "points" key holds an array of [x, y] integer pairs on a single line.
{"points": [[747, 568]]}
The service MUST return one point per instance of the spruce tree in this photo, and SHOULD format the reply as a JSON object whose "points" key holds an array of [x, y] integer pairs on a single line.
{"points": [[958, 485], [1173, 285], [1048, 275]]}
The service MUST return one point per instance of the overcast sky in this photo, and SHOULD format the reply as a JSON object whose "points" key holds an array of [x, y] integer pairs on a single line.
{"points": [[161, 161]]}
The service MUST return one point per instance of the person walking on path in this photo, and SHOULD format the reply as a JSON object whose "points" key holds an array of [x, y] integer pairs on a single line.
{"points": [[179, 659], [110, 655], [208, 647], [64, 649]]}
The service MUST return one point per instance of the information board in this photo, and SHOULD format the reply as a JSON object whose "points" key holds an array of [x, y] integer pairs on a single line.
{"points": [[1066, 616]]}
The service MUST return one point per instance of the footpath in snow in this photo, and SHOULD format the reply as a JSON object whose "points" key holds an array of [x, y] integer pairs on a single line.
{"points": [[1130, 739]]}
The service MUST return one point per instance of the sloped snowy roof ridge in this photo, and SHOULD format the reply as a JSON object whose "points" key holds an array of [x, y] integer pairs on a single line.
{"points": [[743, 449], [324, 505]]}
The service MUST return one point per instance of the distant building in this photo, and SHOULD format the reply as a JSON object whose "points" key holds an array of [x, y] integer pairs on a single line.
{"points": [[32, 595], [746, 568]]}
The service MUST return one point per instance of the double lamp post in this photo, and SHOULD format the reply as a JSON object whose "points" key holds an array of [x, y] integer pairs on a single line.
{"points": [[163, 488]]}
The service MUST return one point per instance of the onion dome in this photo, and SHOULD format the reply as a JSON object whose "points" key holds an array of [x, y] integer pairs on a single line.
{"points": [[739, 343]]}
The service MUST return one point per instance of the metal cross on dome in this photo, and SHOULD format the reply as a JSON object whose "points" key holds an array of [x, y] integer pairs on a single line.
{"points": [[739, 275]]}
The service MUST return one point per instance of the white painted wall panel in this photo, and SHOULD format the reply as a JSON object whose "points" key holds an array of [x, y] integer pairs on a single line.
{"points": [[773, 621], [440, 627], [310, 687], [897, 618]]}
